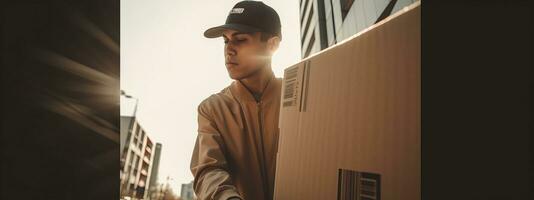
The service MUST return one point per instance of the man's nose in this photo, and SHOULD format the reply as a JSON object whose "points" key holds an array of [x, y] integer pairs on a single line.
{"points": [[229, 49]]}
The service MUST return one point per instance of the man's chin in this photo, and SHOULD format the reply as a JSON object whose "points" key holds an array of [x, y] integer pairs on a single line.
{"points": [[235, 76], [242, 75], [238, 76]]}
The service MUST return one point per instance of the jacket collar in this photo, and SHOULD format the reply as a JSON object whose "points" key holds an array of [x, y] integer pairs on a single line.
{"points": [[243, 94]]}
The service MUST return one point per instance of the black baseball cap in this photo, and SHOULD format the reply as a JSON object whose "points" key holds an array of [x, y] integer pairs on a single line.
{"points": [[249, 17]]}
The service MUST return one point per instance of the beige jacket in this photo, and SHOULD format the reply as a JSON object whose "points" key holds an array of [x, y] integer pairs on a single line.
{"points": [[236, 145]]}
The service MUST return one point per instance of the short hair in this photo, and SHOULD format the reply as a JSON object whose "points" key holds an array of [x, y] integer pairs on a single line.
{"points": [[264, 36]]}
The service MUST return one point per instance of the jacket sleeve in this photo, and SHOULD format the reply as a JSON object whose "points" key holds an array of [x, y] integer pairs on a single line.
{"points": [[212, 179]]}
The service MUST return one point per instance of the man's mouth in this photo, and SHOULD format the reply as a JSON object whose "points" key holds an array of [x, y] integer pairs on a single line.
{"points": [[230, 64]]}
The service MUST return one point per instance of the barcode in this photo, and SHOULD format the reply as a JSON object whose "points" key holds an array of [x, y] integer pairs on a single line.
{"points": [[353, 185], [290, 86], [290, 89]]}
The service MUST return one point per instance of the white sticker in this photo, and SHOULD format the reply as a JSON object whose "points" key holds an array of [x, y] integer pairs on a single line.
{"points": [[237, 11]]}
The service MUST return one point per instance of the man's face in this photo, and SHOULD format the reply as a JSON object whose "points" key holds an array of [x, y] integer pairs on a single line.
{"points": [[245, 53]]}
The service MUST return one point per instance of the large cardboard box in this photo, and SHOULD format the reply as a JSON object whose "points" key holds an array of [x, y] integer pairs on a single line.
{"points": [[350, 117]]}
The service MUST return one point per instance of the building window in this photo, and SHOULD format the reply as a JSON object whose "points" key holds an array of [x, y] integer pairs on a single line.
{"points": [[310, 46], [307, 26], [345, 7], [137, 158], [137, 129], [307, 3]]}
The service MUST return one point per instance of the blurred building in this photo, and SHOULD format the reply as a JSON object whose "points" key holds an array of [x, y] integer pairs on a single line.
{"points": [[187, 191], [157, 191], [163, 191], [155, 169], [326, 22], [137, 155]]}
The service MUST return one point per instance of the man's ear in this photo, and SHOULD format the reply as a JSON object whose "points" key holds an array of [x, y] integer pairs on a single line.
{"points": [[273, 43]]}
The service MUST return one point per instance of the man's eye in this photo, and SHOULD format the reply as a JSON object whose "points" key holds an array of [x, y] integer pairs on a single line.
{"points": [[236, 40]]}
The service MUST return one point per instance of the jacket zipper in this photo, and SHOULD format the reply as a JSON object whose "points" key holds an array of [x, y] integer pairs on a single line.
{"points": [[264, 172]]}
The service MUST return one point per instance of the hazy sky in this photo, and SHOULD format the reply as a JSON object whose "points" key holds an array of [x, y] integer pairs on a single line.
{"points": [[170, 67]]}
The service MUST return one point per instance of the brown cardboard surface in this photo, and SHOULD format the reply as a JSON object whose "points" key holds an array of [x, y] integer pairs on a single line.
{"points": [[354, 106]]}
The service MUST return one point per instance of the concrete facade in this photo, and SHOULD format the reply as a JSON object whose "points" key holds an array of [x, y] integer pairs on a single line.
{"points": [[136, 160]]}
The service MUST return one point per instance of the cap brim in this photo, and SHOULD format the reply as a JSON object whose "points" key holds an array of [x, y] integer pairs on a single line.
{"points": [[218, 31]]}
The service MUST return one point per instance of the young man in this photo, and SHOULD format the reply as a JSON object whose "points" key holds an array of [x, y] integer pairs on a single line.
{"points": [[235, 151]]}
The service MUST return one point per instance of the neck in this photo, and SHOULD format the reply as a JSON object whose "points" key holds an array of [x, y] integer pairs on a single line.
{"points": [[257, 82]]}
